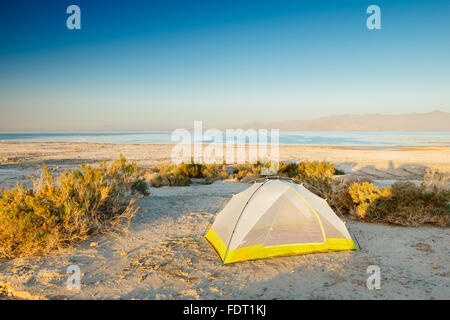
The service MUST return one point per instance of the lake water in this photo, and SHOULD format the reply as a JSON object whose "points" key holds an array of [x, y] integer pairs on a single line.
{"points": [[320, 138]]}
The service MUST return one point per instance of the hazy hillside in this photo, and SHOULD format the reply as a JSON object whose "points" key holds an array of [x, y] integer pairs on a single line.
{"points": [[431, 121]]}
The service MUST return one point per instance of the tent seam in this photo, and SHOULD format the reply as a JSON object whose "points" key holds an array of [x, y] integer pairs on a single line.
{"points": [[315, 213]]}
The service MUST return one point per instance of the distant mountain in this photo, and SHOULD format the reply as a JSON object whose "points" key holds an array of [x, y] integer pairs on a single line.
{"points": [[431, 121]]}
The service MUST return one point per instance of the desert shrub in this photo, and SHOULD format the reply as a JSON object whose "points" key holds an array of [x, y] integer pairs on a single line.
{"points": [[247, 170], [316, 176], [141, 187], [177, 179], [59, 213], [364, 195], [338, 172], [213, 172], [157, 181], [313, 171], [190, 170], [341, 201], [288, 169], [170, 179], [181, 174], [412, 205], [402, 203], [169, 175]]}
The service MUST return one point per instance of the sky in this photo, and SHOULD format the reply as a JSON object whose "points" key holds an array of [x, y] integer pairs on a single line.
{"points": [[153, 65]]}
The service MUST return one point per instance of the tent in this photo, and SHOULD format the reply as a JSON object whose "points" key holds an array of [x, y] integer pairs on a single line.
{"points": [[276, 218]]}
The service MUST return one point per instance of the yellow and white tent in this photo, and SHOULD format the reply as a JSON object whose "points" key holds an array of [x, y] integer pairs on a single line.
{"points": [[276, 218]]}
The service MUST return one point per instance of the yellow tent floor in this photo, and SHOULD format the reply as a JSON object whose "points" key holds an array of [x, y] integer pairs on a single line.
{"points": [[259, 251]]}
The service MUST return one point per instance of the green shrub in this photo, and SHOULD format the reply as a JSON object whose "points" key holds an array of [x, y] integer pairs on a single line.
{"points": [[364, 195], [167, 175], [403, 203], [409, 204], [288, 169], [178, 180], [316, 176], [190, 170], [313, 171], [338, 172], [247, 170], [57, 214], [213, 172], [141, 187], [181, 175]]}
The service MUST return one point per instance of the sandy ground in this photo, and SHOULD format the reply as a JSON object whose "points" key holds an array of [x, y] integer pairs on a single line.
{"points": [[383, 163], [165, 255]]}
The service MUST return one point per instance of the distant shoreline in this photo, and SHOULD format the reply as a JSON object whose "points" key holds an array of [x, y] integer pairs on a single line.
{"points": [[286, 138], [353, 147]]}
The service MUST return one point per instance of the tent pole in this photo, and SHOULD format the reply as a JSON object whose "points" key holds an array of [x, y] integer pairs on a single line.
{"points": [[239, 218], [357, 242]]}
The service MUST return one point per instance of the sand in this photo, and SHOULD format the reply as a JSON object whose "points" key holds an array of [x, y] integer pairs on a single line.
{"points": [[165, 256]]}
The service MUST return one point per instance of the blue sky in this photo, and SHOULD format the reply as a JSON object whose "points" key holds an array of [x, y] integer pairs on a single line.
{"points": [[146, 65]]}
